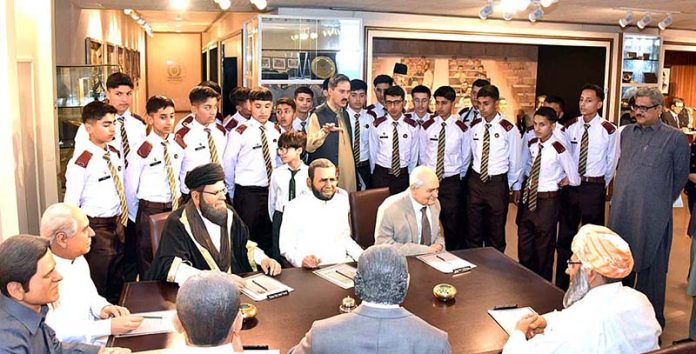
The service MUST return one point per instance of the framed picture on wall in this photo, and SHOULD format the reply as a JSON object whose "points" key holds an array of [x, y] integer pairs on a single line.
{"points": [[265, 63], [136, 65], [293, 63], [111, 53], [93, 52], [279, 64], [122, 58], [666, 73]]}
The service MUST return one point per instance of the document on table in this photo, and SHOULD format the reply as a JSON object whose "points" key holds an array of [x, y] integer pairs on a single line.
{"points": [[188, 350], [153, 322], [507, 318], [261, 287], [446, 262], [339, 274]]}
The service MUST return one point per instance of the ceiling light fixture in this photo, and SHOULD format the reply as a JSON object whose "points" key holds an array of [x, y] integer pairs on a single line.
{"points": [[626, 20], [178, 4], [644, 21], [260, 4], [547, 3], [225, 4], [486, 10], [665, 22], [127, 12], [536, 14]]}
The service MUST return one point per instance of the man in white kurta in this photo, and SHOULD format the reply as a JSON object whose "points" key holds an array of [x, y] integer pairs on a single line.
{"points": [[80, 315], [601, 315], [315, 229]]}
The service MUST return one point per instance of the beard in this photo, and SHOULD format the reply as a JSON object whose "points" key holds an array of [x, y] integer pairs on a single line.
{"points": [[217, 216], [579, 287], [319, 195]]}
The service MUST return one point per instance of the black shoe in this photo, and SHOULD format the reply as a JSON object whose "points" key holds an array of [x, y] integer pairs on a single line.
{"points": [[680, 341]]}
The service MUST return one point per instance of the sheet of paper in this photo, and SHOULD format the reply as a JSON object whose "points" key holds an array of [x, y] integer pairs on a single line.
{"points": [[445, 262], [679, 203], [183, 350], [339, 274], [259, 286], [507, 319], [154, 322]]}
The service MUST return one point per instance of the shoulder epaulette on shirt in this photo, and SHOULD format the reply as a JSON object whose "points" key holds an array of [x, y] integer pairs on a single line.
{"points": [[428, 123], [373, 114], [610, 128], [461, 125], [139, 118], [463, 110], [475, 121], [83, 159], [180, 134], [506, 125], [529, 129], [568, 123], [277, 127], [144, 149], [379, 121], [187, 120], [532, 141], [559, 147], [221, 128], [410, 121], [114, 150], [240, 129], [370, 107], [233, 123]]}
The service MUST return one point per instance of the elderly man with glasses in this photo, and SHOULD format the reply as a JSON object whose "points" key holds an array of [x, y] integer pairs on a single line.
{"points": [[207, 235], [652, 171]]}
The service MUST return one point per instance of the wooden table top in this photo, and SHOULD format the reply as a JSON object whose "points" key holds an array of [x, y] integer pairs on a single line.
{"points": [[281, 323]]}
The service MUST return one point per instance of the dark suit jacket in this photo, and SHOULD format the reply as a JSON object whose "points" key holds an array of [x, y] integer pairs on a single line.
{"points": [[683, 118]]}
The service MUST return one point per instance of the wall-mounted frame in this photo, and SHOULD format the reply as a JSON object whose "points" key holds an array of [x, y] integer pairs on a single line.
{"points": [[666, 73], [94, 53]]}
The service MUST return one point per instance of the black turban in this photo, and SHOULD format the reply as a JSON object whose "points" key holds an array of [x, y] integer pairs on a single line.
{"points": [[204, 175]]}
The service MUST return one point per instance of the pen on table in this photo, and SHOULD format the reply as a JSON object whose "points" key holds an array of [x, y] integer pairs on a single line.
{"points": [[341, 273], [153, 317], [259, 285], [505, 307], [442, 259]]}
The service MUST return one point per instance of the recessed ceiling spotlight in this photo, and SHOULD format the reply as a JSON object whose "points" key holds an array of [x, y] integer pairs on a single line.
{"points": [[665, 23], [127, 11], [179, 4], [644, 21], [260, 4], [225, 4], [626, 20]]}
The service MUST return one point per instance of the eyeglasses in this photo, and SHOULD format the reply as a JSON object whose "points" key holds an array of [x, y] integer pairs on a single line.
{"points": [[217, 193], [642, 108], [570, 263], [393, 103]]}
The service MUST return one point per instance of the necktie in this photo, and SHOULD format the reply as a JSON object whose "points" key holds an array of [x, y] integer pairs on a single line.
{"points": [[291, 189], [440, 167], [484, 154], [356, 139], [584, 143], [396, 159], [303, 129], [211, 145], [123, 218], [425, 227], [124, 141], [170, 177], [266, 153], [533, 182]]}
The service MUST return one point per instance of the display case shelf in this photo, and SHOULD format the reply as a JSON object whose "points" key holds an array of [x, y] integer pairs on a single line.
{"points": [[641, 65]]}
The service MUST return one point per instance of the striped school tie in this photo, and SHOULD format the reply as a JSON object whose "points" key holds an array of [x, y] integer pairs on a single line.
{"points": [[124, 141], [356, 138], [266, 153], [396, 159], [584, 145], [170, 177], [213, 148], [123, 217], [484, 153], [440, 167], [532, 189]]}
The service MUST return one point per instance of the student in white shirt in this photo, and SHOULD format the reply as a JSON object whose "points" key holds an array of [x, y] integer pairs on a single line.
{"points": [[315, 229], [287, 181], [601, 315], [80, 315], [285, 113]]}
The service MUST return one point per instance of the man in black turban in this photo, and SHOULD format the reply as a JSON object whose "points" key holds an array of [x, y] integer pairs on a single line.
{"points": [[206, 234]]}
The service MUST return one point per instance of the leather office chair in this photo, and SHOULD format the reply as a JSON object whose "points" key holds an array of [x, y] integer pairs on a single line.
{"points": [[156, 222], [363, 214], [681, 348]]}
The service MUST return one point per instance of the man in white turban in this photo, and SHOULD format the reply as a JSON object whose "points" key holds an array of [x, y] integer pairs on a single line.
{"points": [[601, 315]]}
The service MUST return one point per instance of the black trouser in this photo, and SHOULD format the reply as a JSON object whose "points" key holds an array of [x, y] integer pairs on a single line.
{"points": [[130, 252], [583, 204], [462, 213], [277, 222], [142, 232], [487, 211], [251, 203], [537, 235], [382, 177], [105, 257], [449, 212], [362, 170]]}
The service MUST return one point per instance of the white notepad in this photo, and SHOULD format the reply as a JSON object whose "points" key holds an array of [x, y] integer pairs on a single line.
{"points": [[446, 262], [339, 274], [508, 318], [154, 322], [261, 287]]}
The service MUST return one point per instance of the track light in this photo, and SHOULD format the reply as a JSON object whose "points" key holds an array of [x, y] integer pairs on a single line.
{"points": [[665, 22], [127, 11], [536, 14], [644, 21], [260, 4], [507, 16], [225, 4], [547, 3], [626, 20], [486, 10]]}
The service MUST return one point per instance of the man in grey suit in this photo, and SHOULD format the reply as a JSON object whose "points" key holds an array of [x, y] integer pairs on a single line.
{"points": [[379, 324], [401, 217]]}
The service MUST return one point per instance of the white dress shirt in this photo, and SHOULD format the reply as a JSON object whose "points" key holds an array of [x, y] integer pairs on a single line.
{"points": [[457, 155], [420, 120], [75, 316], [243, 159], [505, 148], [468, 114], [325, 235], [146, 175], [279, 192], [197, 151], [232, 121], [135, 130], [419, 216], [602, 148], [381, 142], [365, 120], [529, 135], [556, 163], [298, 126], [611, 318], [377, 109], [91, 188]]}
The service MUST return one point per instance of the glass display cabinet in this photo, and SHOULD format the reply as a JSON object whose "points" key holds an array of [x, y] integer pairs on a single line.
{"points": [[75, 87], [641, 65], [282, 53]]}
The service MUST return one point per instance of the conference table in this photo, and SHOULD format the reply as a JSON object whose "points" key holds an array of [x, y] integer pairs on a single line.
{"points": [[282, 322]]}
